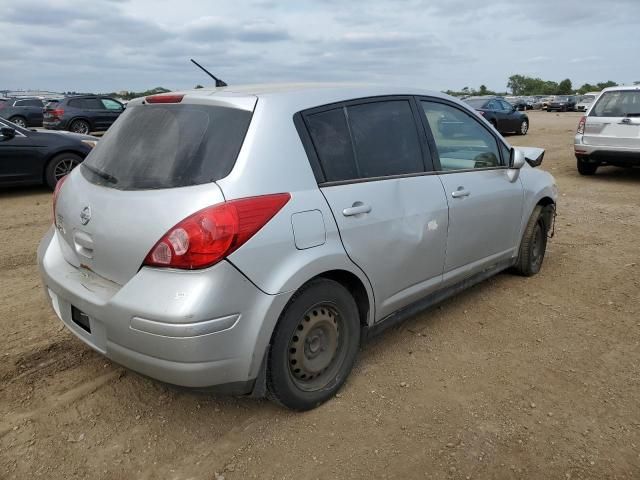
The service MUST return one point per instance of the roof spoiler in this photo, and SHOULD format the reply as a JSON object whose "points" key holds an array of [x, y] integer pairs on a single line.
{"points": [[533, 155]]}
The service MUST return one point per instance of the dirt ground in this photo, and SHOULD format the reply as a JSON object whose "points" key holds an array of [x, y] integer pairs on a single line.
{"points": [[534, 378]]}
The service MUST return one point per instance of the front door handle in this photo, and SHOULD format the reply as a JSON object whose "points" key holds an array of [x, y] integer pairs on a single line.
{"points": [[357, 209], [461, 192]]}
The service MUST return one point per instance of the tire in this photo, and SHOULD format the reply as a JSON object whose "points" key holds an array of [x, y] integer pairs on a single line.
{"points": [[59, 166], [524, 127], [80, 126], [19, 121], [533, 245], [586, 168], [314, 346]]}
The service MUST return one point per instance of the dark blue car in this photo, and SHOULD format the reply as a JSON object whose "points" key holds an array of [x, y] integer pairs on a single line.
{"points": [[82, 114]]}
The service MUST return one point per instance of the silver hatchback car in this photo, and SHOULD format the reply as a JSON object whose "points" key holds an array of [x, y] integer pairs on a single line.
{"points": [[251, 238], [609, 134]]}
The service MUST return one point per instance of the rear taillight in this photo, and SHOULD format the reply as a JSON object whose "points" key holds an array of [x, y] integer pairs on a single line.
{"points": [[56, 192], [581, 124], [480, 112], [211, 234], [56, 112]]}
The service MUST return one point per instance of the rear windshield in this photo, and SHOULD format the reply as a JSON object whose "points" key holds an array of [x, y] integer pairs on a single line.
{"points": [[476, 102], [168, 146], [621, 103]]}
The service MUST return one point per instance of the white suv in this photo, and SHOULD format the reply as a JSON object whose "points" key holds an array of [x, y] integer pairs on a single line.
{"points": [[610, 133]]}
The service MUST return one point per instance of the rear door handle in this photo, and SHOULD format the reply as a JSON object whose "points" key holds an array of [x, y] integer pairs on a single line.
{"points": [[461, 192], [356, 209]]}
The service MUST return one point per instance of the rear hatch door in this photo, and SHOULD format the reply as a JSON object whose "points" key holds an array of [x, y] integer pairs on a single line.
{"points": [[614, 120], [157, 165]]}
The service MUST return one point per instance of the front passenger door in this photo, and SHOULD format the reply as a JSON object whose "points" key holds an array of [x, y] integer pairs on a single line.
{"points": [[485, 205]]}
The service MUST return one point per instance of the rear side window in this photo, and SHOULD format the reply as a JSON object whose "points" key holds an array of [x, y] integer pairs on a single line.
{"points": [[369, 140], [167, 146], [330, 135], [621, 103], [29, 103], [385, 139]]}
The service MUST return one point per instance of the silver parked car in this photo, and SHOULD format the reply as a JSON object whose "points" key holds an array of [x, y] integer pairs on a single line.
{"points": [[253, 237], [610, 132], [585, 101]]}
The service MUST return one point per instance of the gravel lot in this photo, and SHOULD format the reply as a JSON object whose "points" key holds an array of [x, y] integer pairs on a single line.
{"points": [[515, 378]]}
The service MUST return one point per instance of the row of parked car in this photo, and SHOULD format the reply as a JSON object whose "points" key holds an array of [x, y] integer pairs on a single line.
{"points": [[78, 114], [554, 103]]}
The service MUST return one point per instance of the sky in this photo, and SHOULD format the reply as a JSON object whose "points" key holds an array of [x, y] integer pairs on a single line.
{"points": [[113, 45]]}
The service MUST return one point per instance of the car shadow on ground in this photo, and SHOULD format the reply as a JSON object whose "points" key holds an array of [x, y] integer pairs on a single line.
{"points": [[617, 175]]}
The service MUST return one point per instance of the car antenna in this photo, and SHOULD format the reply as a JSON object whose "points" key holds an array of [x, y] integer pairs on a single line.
{"points": [[219, 83]]}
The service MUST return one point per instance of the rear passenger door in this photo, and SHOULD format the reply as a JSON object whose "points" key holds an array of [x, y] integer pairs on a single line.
{"points": [[389, 206], [485, 204]]}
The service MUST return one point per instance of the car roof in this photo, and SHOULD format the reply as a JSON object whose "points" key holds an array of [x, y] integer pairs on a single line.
{"points": [[300, 96], [621, 87]]}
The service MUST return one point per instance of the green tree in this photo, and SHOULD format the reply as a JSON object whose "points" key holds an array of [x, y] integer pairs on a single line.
{"points": [[607, 84], [483, 90], [565, 87]]}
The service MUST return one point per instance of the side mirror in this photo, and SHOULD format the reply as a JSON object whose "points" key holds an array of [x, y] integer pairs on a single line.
{"points": [[516, 159], [7, 133]]}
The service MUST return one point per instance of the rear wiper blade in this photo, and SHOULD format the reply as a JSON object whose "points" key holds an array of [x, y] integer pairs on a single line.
{"points": [[104, 175]]}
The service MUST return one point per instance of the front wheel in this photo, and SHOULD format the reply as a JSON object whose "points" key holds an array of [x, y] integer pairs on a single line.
{"points": [[533, 245], [524, 128], [59, 166], [586, 168], [314, 345]]}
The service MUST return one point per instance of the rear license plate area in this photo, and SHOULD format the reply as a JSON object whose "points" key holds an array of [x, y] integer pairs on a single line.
{"points": [[81, 319]]}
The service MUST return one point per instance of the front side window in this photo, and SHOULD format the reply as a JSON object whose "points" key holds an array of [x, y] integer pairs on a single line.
{"points": [[463, 143], [111, 104], [506, 107]]}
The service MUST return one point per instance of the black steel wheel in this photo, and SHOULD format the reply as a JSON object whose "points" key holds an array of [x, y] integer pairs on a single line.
{"points": [[533, 245], [314, 345]]}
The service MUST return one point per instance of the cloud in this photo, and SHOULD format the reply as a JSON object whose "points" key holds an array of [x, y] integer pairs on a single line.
{"points": [[107, 45]]}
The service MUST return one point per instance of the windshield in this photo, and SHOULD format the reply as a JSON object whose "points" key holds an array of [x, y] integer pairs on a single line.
{"points": [[167, 146], [476, 102], [561, 99], [588, 99], [620, 103]]}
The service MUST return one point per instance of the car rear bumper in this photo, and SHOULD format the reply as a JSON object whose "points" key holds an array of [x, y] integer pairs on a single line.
{"points": [[54, 124], [195, 329], [606, 154]]}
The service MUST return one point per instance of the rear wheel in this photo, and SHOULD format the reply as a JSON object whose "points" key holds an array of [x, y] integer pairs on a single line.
{"points": [[533, 245], [524, 128], [19, 121], [586, 168], [314, 345], [80, 126], [59, 166]]}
